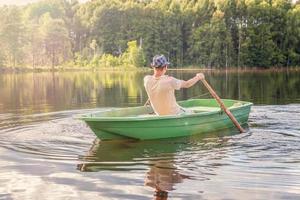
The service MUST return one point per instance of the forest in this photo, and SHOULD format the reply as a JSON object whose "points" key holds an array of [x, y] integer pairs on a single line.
{"points": [[128, 33]]}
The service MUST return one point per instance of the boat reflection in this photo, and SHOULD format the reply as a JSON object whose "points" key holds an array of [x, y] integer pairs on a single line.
{"points": [[160, 158]]}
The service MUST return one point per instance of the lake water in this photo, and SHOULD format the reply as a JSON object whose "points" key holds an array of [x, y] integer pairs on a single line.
{"points": [[46, 154]]}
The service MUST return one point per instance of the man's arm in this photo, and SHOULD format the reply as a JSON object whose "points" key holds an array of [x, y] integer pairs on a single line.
{"points": [[192, 81]]}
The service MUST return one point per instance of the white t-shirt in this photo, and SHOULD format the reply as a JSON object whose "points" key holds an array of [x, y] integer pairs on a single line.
{"points": [[161, 94]]}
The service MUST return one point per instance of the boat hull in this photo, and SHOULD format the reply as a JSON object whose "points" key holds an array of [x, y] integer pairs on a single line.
{"points": [[146, 128]]}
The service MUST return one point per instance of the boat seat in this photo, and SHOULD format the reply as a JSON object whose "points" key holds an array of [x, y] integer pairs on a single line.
{"points": [[210, 109], [196, 109], [236, 104], [203, 109]]}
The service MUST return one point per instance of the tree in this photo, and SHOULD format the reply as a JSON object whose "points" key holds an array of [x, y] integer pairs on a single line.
{"points": [[212, 33], [11, 37], [55, 40], [94, 46], [134, 55], [292, 39]]}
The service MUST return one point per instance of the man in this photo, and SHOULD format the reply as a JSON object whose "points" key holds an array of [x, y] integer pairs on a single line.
{"points": [[161, 88]]}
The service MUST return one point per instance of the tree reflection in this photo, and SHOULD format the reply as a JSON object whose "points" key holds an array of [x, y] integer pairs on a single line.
{"points": [[28, 93]]}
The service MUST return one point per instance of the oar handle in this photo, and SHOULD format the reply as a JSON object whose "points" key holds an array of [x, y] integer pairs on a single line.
{"points": [[226, 110]]}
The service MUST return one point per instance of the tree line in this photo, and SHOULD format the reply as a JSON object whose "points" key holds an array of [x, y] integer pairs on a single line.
{"points": [[122, 33]]}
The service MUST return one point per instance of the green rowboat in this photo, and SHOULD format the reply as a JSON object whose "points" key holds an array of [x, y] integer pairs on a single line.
{"points": [[140, 122]]}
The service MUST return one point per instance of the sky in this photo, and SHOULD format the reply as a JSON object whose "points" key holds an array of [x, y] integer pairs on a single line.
{"points": [[22, 2]]}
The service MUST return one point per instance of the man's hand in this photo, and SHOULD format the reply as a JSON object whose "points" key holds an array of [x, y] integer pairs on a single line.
{"points": [[192, 81], [200, 76]]}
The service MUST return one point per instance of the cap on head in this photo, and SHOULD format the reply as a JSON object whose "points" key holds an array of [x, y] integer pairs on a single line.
{"points": [[159, 61]]}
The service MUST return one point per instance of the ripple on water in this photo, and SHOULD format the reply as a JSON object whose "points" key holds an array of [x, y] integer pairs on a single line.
{"points": [[52, 136], [264, 160]]}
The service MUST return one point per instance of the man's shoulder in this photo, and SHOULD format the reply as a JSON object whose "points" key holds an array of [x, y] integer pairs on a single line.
{"points": [[171, 78], [147, 77]]}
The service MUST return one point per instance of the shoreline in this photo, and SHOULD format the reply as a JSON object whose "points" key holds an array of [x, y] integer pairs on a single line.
{"points": [[8, 70]]}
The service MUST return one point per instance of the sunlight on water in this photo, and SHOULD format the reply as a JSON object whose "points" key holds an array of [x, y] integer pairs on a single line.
{"points": [[47, 154]]}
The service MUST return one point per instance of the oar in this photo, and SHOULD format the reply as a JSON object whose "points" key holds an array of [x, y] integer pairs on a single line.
{"points": [[214, 94], [147, 102]]}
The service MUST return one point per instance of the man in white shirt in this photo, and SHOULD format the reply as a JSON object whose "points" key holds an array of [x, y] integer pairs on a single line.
{"points": [[161, 88]]}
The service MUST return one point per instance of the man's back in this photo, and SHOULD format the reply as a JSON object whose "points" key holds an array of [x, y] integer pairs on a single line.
{"points": [[161, 94], [160, 88]]}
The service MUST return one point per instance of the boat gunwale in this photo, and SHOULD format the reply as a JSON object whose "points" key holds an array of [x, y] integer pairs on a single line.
{"points": [[162, 126], [165, 117]]}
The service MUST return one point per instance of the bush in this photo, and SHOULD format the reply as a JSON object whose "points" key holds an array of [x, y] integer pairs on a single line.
{"points": [[133, 57]]}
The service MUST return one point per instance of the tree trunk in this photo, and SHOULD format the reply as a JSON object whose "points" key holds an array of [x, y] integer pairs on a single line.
{"points": [[53, 58], [239, 49]]}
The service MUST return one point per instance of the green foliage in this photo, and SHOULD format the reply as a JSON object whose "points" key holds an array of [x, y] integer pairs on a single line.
{"points": [[127, 33], [11, 37], [110, 61], [36, 10], [133, 56], [55, 39], [79, 61]]}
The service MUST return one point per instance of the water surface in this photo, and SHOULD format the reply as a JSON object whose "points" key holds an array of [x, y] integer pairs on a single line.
{"points": [[46, 154]]}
